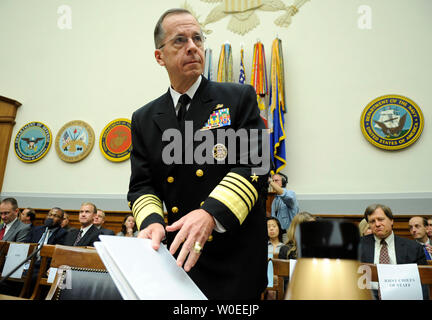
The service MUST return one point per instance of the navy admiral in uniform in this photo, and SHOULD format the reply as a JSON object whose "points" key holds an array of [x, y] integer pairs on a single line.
{"points": [[216, 211]]}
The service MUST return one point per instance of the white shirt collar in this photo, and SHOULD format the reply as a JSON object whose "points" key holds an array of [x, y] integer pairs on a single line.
{"points": [[389, 240], [84, 230], [8, 225], [191, 92]]}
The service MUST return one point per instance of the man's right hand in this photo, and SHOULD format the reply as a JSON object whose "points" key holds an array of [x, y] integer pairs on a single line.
{"points": [[155, 232]]}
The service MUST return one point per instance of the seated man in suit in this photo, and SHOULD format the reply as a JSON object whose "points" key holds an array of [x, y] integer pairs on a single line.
{"points": [[98, 222], [88, 233], [28, 216], [418, 230], [383, 246], [12, 229], [55, 234]]}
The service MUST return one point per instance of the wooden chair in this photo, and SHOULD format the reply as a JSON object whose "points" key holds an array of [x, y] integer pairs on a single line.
{"points": [[46, 254], [281, 271], [425, 272], [274, 293], [87, 273], [429, 262], [26, 278]]}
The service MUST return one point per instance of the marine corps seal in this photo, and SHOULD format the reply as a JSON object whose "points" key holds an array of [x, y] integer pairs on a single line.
{"points": [[392, 122], [32, 142], [115, 141]]}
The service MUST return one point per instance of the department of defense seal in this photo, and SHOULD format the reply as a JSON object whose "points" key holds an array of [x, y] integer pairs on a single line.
{"points": [[74, 141], [32, 142], [392, 122], [115, 141]]}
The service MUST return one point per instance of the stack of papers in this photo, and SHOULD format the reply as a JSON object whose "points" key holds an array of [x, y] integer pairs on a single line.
{"points": [[141, 273]]}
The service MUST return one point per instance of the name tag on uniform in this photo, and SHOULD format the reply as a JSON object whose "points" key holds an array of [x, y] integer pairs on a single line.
{"points": [[220, 117]]}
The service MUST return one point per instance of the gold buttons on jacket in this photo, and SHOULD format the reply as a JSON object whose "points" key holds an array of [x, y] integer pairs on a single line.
{"points": [[174, 209], [210, 238], [201, 204], [199, 173], [170, 179]]}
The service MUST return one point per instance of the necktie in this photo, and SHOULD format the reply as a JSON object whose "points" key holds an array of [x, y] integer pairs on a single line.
{"points": [[383, 259], [183, 102], [2, 231], [428, 257], [384, 256], [78, 238]]}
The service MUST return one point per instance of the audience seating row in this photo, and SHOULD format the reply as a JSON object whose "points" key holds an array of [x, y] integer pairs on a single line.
{"points": [[89, 274]]}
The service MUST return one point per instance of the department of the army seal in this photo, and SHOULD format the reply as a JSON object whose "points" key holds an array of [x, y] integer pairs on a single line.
{"points": [[392, 122], [115, 141], [32, 142], [74, 141]]}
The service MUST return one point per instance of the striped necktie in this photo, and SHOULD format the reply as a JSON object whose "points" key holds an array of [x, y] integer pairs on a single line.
{"points": [[78, 238]]}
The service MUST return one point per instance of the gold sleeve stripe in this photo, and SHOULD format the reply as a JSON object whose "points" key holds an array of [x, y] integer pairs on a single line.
{"points": [[232, 200], [245, 182], [247, 194], [238, 192], [144, 203], [144, 206]]}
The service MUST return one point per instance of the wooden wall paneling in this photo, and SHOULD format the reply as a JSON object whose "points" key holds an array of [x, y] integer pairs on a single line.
{"points": [[8, 111]]}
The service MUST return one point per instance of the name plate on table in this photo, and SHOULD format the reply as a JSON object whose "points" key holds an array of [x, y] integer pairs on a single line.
{"points": [[16, 254], [399, 282]]}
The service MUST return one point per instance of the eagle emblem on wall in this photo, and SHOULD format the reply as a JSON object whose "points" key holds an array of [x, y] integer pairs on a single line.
{"points": [[243, 13]]}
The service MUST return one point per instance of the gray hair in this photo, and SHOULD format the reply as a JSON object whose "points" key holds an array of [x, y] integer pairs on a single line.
{"points": [[159, 32]]}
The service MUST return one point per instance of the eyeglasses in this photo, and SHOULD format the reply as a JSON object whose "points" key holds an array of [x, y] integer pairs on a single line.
{"points": [[180, 41], [54, 215]]}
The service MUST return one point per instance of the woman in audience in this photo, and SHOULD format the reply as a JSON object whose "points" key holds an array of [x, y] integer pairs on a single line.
{"points": [[364, 228], [274, 236], [289, 250], [129, 228]]}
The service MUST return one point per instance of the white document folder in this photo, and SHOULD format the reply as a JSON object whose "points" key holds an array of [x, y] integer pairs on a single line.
{"points": [[141, 273], [16, 254]]}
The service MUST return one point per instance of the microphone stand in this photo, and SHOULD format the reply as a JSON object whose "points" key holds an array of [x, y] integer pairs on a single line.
{"points": [[26, 259]]}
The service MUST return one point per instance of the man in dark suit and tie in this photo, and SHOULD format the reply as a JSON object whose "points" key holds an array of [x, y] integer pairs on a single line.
{"points": [[418, 229], [383, 246], [12, 229], [88, 233], [216, 205], [98, 222], [55, 234]]}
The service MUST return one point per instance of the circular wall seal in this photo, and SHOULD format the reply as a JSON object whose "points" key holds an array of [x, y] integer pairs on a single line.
{"points": [[392, 122], [115, 141], [32, 142], [74, 141]]}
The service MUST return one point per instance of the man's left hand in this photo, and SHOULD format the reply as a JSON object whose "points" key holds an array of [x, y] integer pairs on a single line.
{"points": [[194, 227]]}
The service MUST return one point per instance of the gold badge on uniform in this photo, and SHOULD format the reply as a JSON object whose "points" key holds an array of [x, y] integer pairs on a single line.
{"points": [[220, 152]]}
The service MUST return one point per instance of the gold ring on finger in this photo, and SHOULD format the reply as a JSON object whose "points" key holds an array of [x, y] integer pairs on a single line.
{"points": [[197, 247]]}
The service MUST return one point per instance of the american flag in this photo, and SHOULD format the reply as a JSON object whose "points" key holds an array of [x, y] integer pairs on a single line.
{"points": [[66, 137], [242, 77]]}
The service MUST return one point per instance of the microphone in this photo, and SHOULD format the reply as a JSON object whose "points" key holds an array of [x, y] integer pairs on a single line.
{"points": [[48, 223]]}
